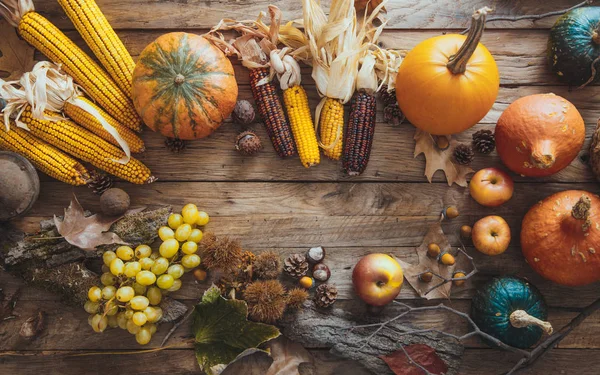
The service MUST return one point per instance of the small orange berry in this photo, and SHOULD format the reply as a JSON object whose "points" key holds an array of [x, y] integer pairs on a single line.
{"points": [[457, 275], [306, 282], [447, 259], [200, 274], [426, 277], [465, 231], [451, 212], [433, 250]]}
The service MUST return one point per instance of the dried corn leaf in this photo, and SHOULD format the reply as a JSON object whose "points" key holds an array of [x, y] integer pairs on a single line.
{"points": [[436, 159], [16, 56]]}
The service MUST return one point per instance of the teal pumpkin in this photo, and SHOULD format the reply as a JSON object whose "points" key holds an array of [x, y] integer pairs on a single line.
{"points": [[511, 310], [574, 45]]}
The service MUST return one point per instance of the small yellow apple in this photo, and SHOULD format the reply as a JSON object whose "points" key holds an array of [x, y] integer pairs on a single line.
{"points": [[377, 279]]}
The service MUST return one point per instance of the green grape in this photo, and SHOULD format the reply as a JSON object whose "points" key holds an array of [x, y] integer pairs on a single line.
{"points": [[164, 281], [139, 318], [111, 308], [125, 253], [95, 294], [112, 321], [145, 278], [155, 255], [203, 219], [156, 316], [169, 248], [139, 303], [108, 257], [175, 270], [108, 292], [189, 247], [143, 251], [160, 266], [151, 313], [132, 268], [165, 233], [122, 320], [196, 235], [125, 294], [183, 232], [175, 220], [154, 295], [176, 286], [128, 313], [91, 307], [190, 261], [117, 267], [139, 289], [143, 336], [108, 279], [105, 268], [132, 327], [151, 327], [189, 213], [99, 323], [146, 263], [90, 318]]}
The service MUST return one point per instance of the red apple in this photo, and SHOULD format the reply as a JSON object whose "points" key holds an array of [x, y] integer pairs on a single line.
{"points": [[491, 235], [491, 187], [377, 279]]}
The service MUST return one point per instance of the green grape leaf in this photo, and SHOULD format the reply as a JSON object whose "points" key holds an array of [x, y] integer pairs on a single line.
{"points": [[223, 333]]}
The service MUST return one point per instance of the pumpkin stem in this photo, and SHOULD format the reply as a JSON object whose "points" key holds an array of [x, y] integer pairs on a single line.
{"points": [[596, 35], [458, 62], [542, 155], [179, 79], [520, 319], [581, 211]]}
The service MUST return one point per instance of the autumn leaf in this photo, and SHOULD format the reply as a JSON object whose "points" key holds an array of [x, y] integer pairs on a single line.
{"points": [[422, 354], [361, 5], [87, 233], [436, 159], [287, 356], [16, 56]]}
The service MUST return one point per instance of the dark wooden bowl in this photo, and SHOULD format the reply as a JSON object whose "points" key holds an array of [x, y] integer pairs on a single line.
{"points": [[19, 185]]}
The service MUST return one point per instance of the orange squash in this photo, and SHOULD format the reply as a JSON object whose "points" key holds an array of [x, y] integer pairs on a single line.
{"points": [[560, 238], [538, 135], [183, 86], [448, 83]]}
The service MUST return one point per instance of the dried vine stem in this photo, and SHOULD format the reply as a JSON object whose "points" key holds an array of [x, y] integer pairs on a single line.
{"points": [[446, 280], [529, 357], [533, 17]]}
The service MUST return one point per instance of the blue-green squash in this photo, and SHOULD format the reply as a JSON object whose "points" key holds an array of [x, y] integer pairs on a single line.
{"points": [[574, 45], [511, 310]]}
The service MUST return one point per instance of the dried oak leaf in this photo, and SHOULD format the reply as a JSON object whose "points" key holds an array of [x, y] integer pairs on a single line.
{"points": [[16, 56], [87, 233], [436, 159], [287, 356], [422, 354]]}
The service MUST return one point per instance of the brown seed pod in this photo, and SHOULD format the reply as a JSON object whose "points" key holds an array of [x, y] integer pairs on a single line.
{"points": [[295, 298], [266, 300], [248, 143], [267, 265], [321, 272], [315, 255], [243, 112]]}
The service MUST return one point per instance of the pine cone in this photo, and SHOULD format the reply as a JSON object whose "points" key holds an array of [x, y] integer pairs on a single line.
{"points": [[388, 97], [175, 144], [296, 265], [325, 295], [463, 154], [100, 182], [243, 112], [393, 115], [484, 141], [248, 143]]}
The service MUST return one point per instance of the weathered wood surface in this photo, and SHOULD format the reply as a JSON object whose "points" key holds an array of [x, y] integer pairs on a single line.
{"points": [[269, 203]]}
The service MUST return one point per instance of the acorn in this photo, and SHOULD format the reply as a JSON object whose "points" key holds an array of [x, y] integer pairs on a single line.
{"points": [[466, 231], [306, 282], [456, 275], [447, 259], [315, 255], [450, 212], [321, 272], [433, 250], [426, 276]]}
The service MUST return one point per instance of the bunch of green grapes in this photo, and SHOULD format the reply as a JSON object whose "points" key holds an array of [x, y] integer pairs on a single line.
{"points": [[134, 281]]}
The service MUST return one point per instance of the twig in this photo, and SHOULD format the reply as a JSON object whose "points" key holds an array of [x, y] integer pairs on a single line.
{"points": [[533, 17], [175, 326], [593, 76], [451, 279]]}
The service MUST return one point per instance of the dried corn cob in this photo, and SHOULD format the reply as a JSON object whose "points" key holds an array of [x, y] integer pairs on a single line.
{"points": [[102, 39], [44, 157], [331, 128], [43, 35], [271, 110], [88, 121], [81, 143], [359, 135]]}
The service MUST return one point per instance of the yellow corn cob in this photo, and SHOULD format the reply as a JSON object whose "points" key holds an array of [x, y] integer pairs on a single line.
{"points": [[102, 39], [331, 128], [79, 142], [89, 122], [296, 104], [43, 35], [44, 157]]}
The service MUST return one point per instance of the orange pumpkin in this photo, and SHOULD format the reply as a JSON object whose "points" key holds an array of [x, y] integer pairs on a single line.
{"points": [[560, 238], [538, 135], [183, 86], [448, 83]]}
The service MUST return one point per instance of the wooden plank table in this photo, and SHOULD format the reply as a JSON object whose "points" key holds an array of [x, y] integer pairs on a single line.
{"points": [[269, 203]]}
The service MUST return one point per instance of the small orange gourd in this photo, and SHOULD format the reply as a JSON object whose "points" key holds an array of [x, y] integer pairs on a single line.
{"points": [[560, 238], [538, 135], [448, 83]]}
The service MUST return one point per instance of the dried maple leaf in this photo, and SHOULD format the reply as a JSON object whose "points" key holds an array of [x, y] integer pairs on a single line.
{"points": [[422, 354], [16, 56], [287, 356], [436, 159], [87, 233]]}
